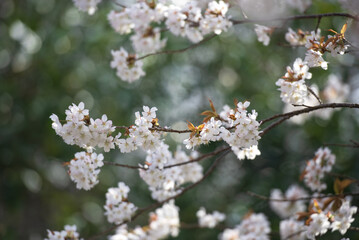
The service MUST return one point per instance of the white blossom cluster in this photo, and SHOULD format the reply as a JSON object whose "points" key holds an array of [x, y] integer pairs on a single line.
{"points": [[339, 220], [89, 6], [292, 85], [164, 222], [69, 233], [84, 169], [291, 229], [181, 19], [139, 134], [209, 220], [263, 33], [84, 131], [243, 139], [334, 91], [255, 226], [117, 207], [288, 208], [315, 169], [128, 67], [299, 38], [165, 182], [316, 47]]}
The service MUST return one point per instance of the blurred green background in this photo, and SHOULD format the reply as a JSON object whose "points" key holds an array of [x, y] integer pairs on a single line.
{"points": [[52, 55]]}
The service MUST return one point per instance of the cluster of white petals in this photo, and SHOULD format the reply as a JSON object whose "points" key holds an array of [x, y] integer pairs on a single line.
{"points": [[263, 33], [299, 38], [148, 41], [209, 220], [319, 225], [255, 226], [164, 222], [315, 169], [334, 91], [343, 217], [292, 85], [89, 6], [338, 220], [244, 137], [84, 131], [84, 169], [315, 59], [186, 19], [291, 229], [288, 208], [117, 207], [128, 67], [165, 182], [69, 232], [139, 134]]}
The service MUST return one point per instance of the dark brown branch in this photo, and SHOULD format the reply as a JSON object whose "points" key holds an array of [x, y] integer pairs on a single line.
{"points": [[301, 198], [310, 109], [169, 130], [199, 158], [179, 50], [315, 95], [341, 145], [123, 165], [158, 204], [173, 165], [297, 17], [273, 125]]}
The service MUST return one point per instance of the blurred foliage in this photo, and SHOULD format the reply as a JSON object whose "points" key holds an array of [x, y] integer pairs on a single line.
{"points": [[51, 55]]}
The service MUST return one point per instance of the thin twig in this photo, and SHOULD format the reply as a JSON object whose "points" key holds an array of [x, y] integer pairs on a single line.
{"points": [[172, 165], [274, 125], [317, 26], [315, 95], [341, 145], [169, 130], [310, 109], [300, 198], [297, 17], [179, 50], [199, 158], [123, 165]]}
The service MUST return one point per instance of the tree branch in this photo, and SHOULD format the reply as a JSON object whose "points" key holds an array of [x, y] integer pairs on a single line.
{"points": [[301, 198], [310, 109]]}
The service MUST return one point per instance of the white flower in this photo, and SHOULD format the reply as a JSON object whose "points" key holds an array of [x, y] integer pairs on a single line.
{"points": [[89, 6], [293, 228], [318, 226], [117, 207], [69, 232], [165, 222], [292, 85], [343, 217], [262, 34], [84, 169], [214, 19], [120, 21], [128, 67], [209, 220], [316, 168], [315, 59], [230, 234], [148, 41], [288, 208]]}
